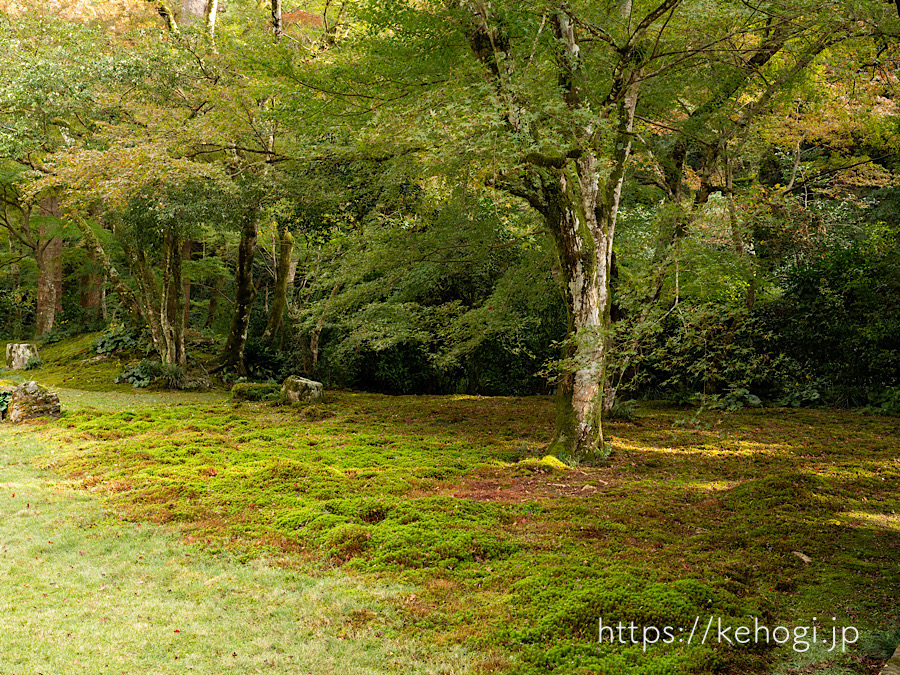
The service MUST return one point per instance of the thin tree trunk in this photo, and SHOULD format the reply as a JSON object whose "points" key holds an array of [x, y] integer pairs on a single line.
{"points": [[187, 252], [49, 267], [276, 18], [282, 277], [737, 237], [104, 313], [214, 302], [172, 305], [128, 297], [165, 11], [232, 357], [212, 7], [151, 299]]}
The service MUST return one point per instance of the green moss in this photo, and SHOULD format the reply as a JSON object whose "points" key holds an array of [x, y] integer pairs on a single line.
{"points": [[347, 540], [546, 463], [524, 557]]}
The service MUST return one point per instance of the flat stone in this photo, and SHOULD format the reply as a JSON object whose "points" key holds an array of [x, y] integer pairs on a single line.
{"points": [[18, 353], [300, 390]]}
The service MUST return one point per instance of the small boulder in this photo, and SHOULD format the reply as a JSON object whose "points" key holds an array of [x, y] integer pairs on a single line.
{"points": [[300, 390], [31, 400], [18, 354]]}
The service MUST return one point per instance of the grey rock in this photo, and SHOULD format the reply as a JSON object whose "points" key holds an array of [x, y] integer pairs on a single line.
{"points": [[30, 400], [300, 390]]}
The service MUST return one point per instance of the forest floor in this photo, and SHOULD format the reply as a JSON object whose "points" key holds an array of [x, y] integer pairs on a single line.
{"points": [[463, 537]]}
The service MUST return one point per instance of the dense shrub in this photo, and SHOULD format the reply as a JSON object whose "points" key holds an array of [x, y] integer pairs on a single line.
{"points": [[120, 338], [141, 374], [840, 314]]}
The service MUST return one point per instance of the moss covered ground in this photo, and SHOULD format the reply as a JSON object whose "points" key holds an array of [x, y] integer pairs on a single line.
{"points": [[784, 517]]}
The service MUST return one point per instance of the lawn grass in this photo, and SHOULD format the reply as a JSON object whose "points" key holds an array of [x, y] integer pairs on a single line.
{"points": [[519, 559]]}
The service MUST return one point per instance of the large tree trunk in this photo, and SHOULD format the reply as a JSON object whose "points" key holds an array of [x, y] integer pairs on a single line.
{"points": [[282, 280], [191, 11], [571, 215], [232, 357], [49, 290], [579, 201], [90, 287], [48, 255]]}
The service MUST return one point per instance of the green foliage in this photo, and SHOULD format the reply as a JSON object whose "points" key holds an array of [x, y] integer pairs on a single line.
{"points": [[62, 330], [17, 310], [736, 398], [840, 314], [34, 363], [801, 394], [622, 410], [885, 402], [882, 643], [140, 375], [265, 362], [5, 396], [172, 375], [457, 296], [119, 338]]}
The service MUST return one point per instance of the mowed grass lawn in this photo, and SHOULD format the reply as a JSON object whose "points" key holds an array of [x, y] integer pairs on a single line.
{"points": [[788, 517]]}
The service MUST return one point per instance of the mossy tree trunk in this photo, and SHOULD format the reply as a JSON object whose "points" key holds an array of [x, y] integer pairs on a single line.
{"points": [[161, 300], [577, 191], [49, 288], [171, 303], [213, 306], [579, 209]]}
